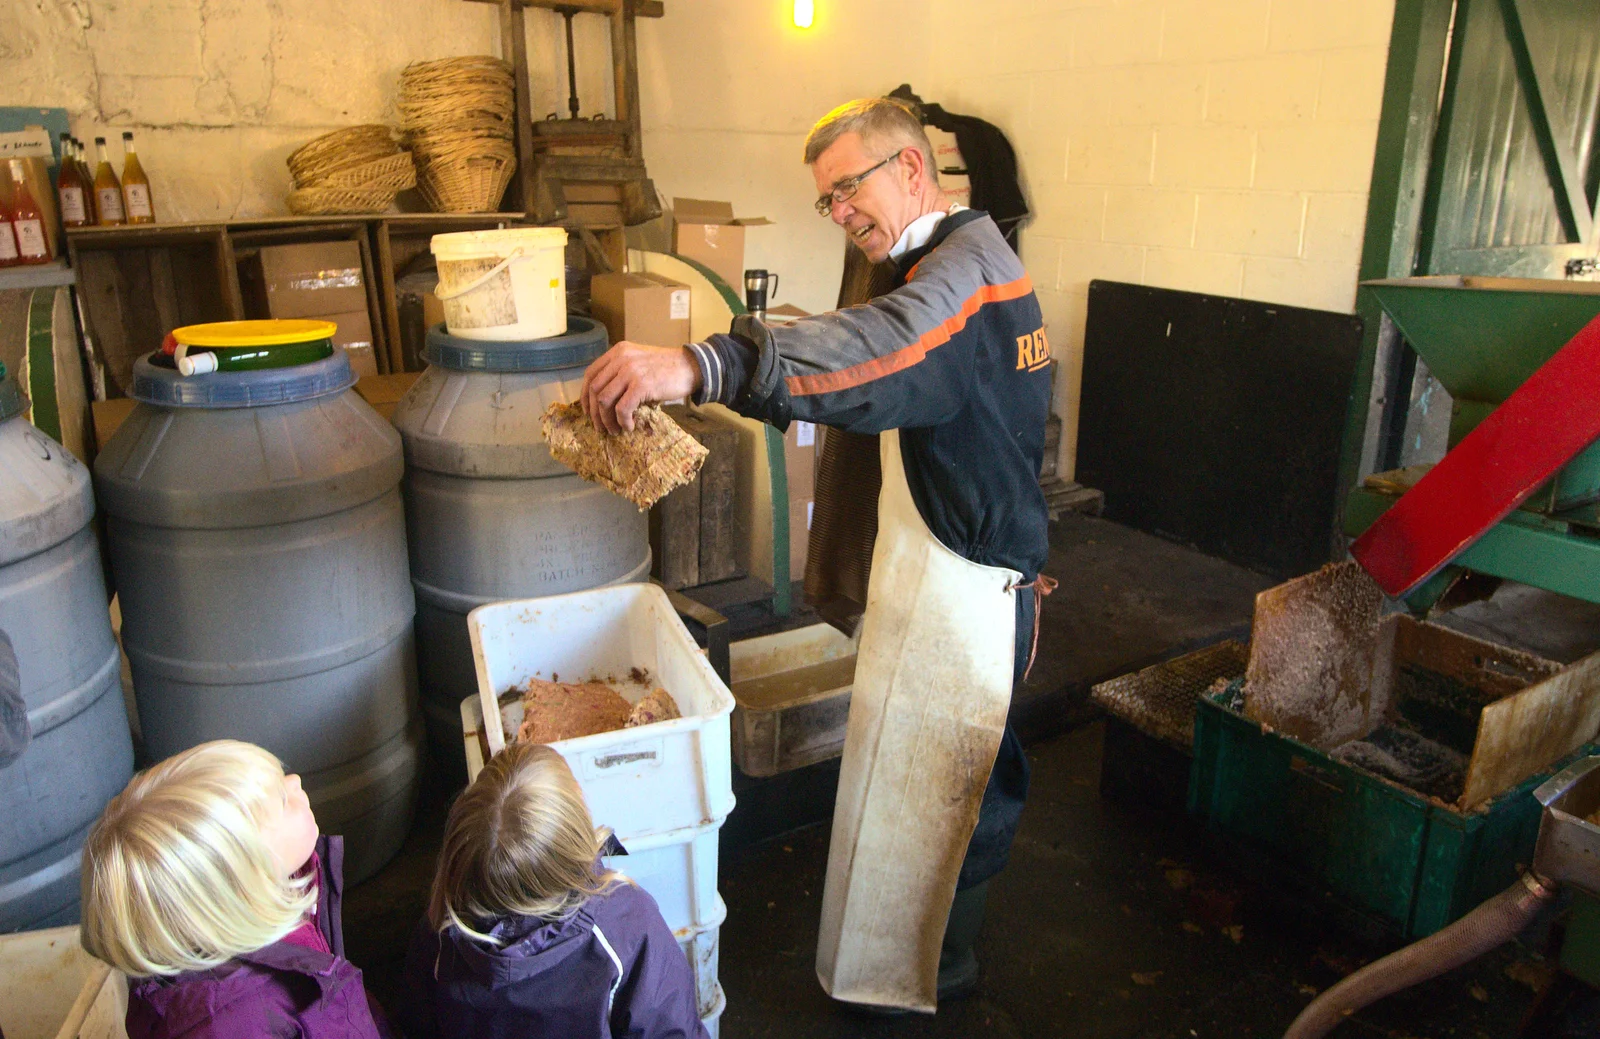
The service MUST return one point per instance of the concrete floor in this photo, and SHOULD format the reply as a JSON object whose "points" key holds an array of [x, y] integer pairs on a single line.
{"points": [[1112, 920]]}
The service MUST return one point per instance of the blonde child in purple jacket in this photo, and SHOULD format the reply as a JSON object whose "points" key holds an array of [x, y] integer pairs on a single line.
{"points": [[206, 882]]}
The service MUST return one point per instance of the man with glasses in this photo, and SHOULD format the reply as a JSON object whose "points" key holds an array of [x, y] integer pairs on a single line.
{"points": [[952, 367]]}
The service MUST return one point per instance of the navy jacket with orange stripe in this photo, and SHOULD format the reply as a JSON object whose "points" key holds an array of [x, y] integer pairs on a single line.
{"points": [[955, 358]]}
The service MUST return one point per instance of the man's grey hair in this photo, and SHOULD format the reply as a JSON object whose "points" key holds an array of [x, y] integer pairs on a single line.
{"points": [[885, 124]]}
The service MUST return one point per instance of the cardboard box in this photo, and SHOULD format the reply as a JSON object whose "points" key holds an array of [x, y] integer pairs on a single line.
{"points": [[303, 280], [355, 335], [642, 308], [802, 449], [383, 392], [709, 233]]}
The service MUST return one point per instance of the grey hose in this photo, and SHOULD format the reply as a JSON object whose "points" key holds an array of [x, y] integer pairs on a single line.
{"points": [[1490, 925]]}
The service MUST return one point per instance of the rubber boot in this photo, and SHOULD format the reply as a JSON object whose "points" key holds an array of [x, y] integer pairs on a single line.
{"points": [[958, 963]]}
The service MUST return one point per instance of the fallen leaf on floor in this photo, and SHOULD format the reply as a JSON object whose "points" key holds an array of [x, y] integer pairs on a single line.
{"points": [[1192, 927], [1236, 933], [1213, 907], [1180, 879], [1341, 965], [787, 848], [1306, 990], [1147, 979], [1479, 993], [1127, 910], [1536, 976]]}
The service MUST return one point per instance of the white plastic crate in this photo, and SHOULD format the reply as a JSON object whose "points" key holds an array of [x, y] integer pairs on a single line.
{"points": [[649, 780], [713, 1020], [792, 698], [679, 869], [51, 989], [700, 946]]}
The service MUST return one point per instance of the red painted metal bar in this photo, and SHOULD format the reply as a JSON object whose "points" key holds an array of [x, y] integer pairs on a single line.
{"points": [[1540, 428]]}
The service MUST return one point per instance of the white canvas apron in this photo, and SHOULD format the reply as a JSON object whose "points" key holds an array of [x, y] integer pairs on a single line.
{"points": [[927, 710]]}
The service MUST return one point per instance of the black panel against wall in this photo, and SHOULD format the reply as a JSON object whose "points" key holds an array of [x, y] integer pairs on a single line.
{"points": [[1217, 422]]}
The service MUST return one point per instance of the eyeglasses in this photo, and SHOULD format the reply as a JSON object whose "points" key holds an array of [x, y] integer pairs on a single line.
{"points": [[846, 189]]}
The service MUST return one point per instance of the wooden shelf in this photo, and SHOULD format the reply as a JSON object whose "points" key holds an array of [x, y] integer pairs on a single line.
{"points": [[41, 277]]}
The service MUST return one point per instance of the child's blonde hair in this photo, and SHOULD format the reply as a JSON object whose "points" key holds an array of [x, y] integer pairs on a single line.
{"points": [[519, 842], [176, 875]]}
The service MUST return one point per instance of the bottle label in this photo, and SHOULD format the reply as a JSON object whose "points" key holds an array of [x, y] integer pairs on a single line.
{"points": [[72, 207], [110, 202], [138, 200], [8, 243], [30, 239]]}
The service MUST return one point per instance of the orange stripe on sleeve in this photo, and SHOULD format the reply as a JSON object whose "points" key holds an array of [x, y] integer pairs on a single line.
{"points": [[906, 356]]}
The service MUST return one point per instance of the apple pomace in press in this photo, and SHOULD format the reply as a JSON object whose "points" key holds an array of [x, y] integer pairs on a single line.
{"points": [[641, 464]]}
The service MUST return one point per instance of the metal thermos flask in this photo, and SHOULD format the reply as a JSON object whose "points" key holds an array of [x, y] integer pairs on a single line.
{"points": [[755, 291]]}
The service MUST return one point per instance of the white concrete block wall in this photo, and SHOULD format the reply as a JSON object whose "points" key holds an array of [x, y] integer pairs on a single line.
{"points": [[1220, 146]]}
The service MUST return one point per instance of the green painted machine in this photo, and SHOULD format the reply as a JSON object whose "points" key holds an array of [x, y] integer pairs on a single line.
{"points": [[1482, 338]]}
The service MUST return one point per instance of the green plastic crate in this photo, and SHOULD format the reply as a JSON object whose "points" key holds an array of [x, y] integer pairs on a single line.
{"points": [[1376, 846]]}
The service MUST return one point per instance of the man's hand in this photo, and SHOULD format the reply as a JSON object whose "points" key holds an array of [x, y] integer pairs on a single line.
{"points": [[631, 374]]}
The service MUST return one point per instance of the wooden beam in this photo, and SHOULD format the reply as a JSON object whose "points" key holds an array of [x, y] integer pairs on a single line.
{"points": [[637, 8], [514, 48]]}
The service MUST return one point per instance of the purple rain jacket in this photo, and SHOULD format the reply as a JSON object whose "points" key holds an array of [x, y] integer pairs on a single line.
{"points": [[612, 971], [284, 990]]}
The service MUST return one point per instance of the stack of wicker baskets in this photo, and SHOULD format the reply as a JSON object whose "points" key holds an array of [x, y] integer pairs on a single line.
{"points": [[458, 115], [355, 170]]}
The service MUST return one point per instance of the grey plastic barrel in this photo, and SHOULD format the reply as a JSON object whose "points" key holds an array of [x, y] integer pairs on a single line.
{"points": [[492, 516], [258, 544], [53, 607]]}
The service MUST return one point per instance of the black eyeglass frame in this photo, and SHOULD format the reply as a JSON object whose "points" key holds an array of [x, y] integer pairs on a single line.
{"points": [[846, 189]]}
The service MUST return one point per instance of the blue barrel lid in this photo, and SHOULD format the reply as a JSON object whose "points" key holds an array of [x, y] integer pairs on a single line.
{"points": [[163, 386], [12, 402], [585, 339]]}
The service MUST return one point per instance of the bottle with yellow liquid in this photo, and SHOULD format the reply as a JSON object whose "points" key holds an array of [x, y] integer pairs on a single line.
{"points": [[107, 189], [135, 185], [87, 176]]}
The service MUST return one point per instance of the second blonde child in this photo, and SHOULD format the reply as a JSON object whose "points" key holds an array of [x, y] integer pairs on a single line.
{"points": [[527, 934]]}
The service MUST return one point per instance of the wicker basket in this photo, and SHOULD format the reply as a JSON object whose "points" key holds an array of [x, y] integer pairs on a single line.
{"points": [[339, 150], [391, 173], [471, 184], [459, 116], [325, 201]]}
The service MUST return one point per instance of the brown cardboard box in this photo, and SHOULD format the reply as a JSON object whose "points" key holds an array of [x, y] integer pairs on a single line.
{"points": [[383, 392], [355, 335], [303, 280], [802, 447], [642, 308], [709, 233]]}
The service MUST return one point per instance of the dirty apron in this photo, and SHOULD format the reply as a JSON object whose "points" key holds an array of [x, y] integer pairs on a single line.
{"points": [[927, 709]]}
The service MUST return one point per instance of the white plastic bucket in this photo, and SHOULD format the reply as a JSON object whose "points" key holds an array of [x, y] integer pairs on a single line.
{"points": [[503, 285]]}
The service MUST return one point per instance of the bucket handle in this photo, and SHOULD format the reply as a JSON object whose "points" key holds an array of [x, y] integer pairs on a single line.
{"points": [[482, 279]]}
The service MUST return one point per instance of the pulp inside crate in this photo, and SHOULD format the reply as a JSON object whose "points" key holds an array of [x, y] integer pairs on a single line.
{"points": [[632, 687]]}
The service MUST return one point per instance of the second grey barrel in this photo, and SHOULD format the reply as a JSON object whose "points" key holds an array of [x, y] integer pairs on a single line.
{"points": [[53, 610], [257, 540], [491, 515]]}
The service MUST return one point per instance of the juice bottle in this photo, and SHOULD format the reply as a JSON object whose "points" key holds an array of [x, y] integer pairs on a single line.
{"points": [[70, 188], [86, 175], [8, 239], [135, 185], [107, 189], [27, 221]]}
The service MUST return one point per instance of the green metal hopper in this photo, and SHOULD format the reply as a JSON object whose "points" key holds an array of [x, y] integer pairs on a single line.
{"points": [[1482, 338]]}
